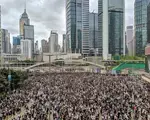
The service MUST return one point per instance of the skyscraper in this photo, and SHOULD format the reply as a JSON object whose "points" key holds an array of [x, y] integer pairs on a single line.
{"points": [[16, 40], [16, 45], [0, 39], [129, 34], [148, 23], [26, 49], [111, 22], [24, 20], [29, 34], [45, 46], [26, 30], [77, 25], [131, 47], [64, 43], [129, 39], [6, 48], [36, 48], [53, 42], [140, 25], [93, 32]]}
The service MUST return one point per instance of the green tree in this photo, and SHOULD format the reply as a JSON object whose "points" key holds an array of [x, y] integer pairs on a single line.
{"points": [[146, 65], [3, 84], [18, 78]]}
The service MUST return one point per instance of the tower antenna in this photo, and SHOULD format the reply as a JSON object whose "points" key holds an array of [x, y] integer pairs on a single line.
{"points": [[25, 5]]}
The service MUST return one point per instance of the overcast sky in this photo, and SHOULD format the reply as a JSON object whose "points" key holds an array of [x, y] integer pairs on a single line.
{"points": [[45, 15]]}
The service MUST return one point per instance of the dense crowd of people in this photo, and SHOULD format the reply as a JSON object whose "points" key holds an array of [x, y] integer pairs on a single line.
{"points": [[78, 96]]}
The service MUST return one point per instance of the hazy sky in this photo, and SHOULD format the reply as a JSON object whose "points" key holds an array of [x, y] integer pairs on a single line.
{"points": [[45, 15]]}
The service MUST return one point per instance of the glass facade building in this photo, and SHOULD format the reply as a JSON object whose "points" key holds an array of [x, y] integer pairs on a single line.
{"points": [[140, 25], [115, 23], [0, 36], [93, 31], [77, 26], [148, 23], [116, 27], [64, 43], [6, 48], [16, 40], [100, 26]]}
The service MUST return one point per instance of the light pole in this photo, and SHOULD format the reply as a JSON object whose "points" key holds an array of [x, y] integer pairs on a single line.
{"points": [[1, 60], [9, 78]]}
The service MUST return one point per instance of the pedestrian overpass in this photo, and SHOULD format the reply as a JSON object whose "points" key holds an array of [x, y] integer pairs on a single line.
{"points": [[75, 61]]}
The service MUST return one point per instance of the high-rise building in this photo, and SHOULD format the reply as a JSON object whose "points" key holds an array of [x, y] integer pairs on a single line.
{"points": [[148, 23], [129, 34], [16, 45], [24, 20], [64, 43], [129, 39], [6, 48], [77, 26], [26, 30], [126, 49], [45, 46], [131, 47], [0, 40], [26, 49], [93, 32], [16, 40], [111, 23], [58, 48], [36, 48], [140, 25], [29, 34], [53, 42]]}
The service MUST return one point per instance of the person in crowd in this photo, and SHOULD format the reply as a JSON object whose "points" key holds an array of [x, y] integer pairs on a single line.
{"points": [[78, 96]]}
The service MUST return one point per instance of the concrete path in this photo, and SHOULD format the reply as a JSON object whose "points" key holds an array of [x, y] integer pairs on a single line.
{"points": [[146, 79]]}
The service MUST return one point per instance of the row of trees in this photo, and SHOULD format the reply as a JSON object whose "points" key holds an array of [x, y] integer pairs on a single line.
{"points": [[17, 79], [126, 57]]}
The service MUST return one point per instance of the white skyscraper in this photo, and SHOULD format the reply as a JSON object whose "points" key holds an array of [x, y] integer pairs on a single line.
{"points": [[26, 49], [129, 39], [105, 29], [53, 42]]}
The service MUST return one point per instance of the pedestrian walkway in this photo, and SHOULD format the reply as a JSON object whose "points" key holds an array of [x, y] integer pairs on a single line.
{"points": [[146, 79]]}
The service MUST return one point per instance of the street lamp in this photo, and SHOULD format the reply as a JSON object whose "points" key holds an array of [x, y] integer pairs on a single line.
{"points": [[9, 78]]}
